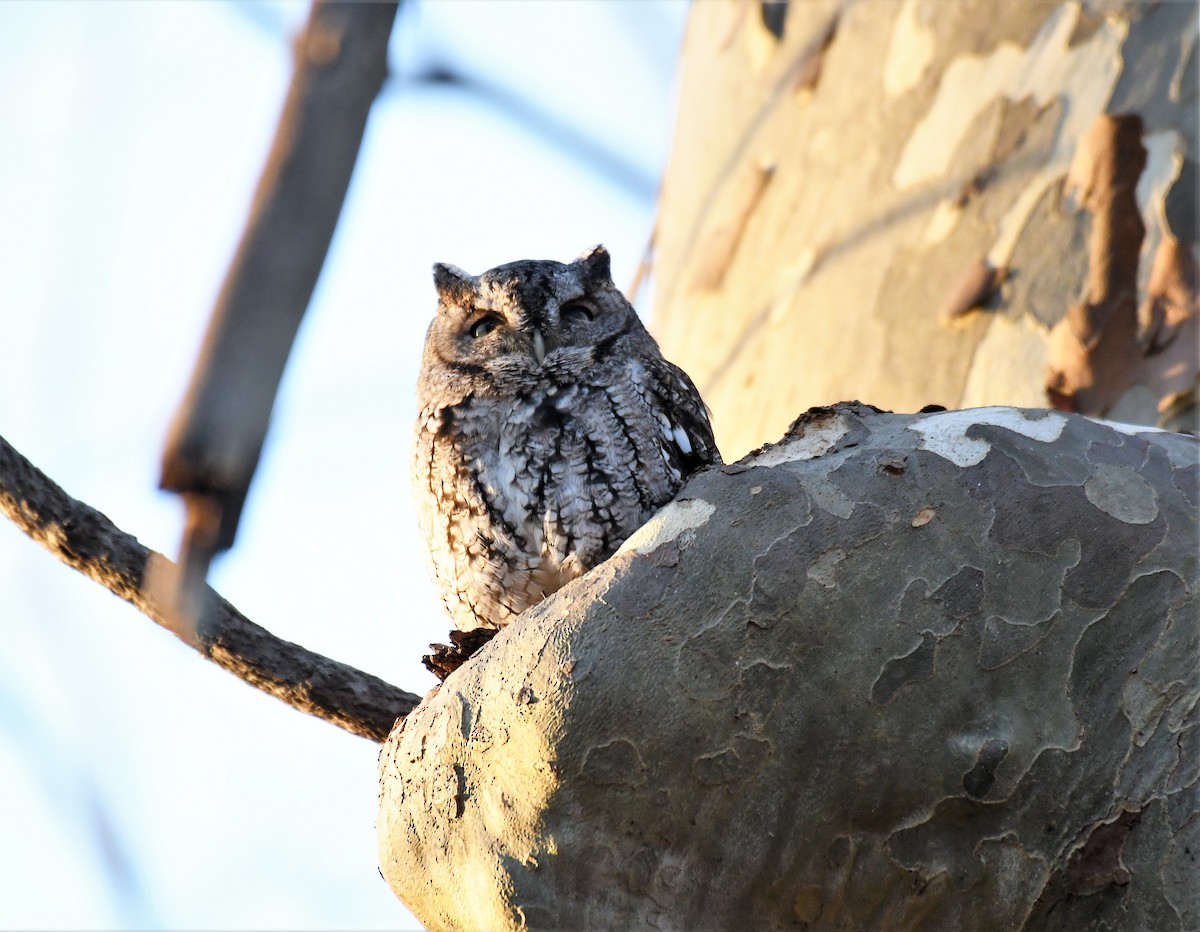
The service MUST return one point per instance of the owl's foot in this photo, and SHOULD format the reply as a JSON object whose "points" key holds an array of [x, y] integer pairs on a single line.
{"points": [[446, 658]]}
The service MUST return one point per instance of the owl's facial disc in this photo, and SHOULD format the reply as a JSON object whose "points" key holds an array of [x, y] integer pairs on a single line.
{"points": [[501, 337]]}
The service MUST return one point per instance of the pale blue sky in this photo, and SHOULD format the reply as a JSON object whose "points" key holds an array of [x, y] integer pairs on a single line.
{"points": [[140, 786]]}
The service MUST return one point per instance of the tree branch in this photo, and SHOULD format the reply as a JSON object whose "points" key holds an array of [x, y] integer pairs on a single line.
{"points": [[214, 443], [87, 540]]}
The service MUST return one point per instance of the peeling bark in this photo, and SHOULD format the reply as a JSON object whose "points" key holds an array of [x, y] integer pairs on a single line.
{"points": [[918, 241], [1094, 349], [929, 671]]}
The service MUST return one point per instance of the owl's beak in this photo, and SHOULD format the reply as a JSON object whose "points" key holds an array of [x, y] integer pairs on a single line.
{"points": [[539, 346]]}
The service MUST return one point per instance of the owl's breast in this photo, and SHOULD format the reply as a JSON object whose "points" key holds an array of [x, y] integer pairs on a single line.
{"points": [[577, 473], [524, 493]]}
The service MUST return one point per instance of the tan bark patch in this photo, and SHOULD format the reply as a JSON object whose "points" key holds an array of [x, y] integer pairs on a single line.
{"points": [[1093, 350]]}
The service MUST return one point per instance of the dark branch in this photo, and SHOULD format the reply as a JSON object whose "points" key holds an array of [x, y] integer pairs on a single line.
{"points": [[87, 540]]}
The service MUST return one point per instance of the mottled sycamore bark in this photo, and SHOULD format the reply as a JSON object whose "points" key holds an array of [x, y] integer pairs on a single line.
{"points": [[963, 203], [930, 672]]}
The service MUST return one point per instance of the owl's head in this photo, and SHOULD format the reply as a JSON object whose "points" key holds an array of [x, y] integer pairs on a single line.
{"points": [[522, 324]]}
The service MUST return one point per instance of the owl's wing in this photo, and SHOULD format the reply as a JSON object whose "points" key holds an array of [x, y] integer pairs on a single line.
{"points": [[680, 406]]}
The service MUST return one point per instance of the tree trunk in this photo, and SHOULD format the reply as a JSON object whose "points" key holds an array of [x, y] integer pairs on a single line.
{"points": [[961, 203], [931, 671], [896, 672]]}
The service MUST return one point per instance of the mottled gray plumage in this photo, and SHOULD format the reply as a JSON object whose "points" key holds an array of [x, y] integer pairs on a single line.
{"points": [[550, 428]]}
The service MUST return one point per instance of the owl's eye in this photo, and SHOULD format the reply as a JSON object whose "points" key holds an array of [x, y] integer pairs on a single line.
{"points": [[484, 326], [575, 313]]}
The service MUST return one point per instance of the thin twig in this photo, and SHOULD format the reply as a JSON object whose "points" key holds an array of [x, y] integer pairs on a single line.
{"points": [[87, 540]]}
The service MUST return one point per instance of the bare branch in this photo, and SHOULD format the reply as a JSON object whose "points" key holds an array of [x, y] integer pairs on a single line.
{"points": [[87, 540], [215, 441], [591, 149]]}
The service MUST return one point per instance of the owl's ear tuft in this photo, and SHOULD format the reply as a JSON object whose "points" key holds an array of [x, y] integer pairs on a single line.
{"points": [[595, 262], [450, 281]]}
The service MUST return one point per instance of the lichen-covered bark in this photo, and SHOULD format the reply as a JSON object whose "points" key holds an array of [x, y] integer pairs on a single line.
{"points": [[897, 671], [965, 203]]}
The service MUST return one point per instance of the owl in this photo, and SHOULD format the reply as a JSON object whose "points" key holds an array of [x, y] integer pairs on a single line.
{"points": [[550, 428]]}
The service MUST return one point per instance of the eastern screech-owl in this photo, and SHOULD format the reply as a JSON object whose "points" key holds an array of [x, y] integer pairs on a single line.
{"points": [[550, 428]]}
